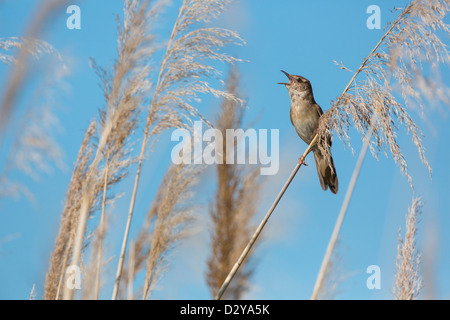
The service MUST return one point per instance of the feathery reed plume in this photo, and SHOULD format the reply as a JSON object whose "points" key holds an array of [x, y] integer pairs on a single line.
{"points": [[182, 77], [408, 276], [35, 144], [410, 42], [34, 149], [165, 225], [234, 205], [63, 245], [26, 46], [124, 91], [34, 47], [170, 215]]}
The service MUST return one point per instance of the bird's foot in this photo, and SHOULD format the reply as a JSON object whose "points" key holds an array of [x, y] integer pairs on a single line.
{"points": [[301, 160]]}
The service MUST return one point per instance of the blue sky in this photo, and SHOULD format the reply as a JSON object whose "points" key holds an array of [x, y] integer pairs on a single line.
{"points": [[300, 37]]}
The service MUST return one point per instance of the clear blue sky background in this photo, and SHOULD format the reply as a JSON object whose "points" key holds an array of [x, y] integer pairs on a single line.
{"points": [[301, 37]]}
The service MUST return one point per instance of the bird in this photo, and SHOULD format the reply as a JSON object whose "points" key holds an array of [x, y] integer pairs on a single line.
{"points": [[305, 114]]}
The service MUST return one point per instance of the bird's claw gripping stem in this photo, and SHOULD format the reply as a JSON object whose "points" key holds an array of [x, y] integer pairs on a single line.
{"points": [[301, 160]]}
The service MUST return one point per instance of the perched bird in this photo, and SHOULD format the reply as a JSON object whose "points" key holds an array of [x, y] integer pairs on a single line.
{"points": [[305, 115]]}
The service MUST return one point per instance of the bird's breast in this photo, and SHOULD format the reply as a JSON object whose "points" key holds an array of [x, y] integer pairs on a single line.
{"points": [[305, 119]]}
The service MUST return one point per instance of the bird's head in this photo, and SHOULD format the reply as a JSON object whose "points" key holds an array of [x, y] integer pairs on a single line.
{"points": [[297, 84]]}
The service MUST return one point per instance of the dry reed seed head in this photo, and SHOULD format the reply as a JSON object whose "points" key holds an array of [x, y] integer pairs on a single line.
{"points": [[20, 72], [180, 80], [169, 224], [408, 276], [410, 42], [416, 42], [69, 219], [34, 149], [234, 205], [184, 68], [124, 88], [37, 149], [34, 47], [25, 47]]}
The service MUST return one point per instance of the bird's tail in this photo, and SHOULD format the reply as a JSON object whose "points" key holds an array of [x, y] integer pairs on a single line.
{"points": [[327, 172]]}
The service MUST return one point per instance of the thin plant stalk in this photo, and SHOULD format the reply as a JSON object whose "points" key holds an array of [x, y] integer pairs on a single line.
{"points": [[244, 254], [131, 264], [340, 219], [141, 157], [84, 211], [101, 233], [63, 267]]}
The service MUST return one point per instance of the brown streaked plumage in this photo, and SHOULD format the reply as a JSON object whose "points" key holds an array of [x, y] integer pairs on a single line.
{"points": [[305, 115]]}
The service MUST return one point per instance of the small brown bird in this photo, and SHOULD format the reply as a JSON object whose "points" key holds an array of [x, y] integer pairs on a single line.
{"points": [[305, 115]]}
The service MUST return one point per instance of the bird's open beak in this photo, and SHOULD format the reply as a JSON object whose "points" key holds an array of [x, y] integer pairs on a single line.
{"points": [[287, 75]]}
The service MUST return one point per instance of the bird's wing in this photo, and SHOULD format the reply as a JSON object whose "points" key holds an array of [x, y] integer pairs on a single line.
{"points": [[319, 109], [320, 112]]}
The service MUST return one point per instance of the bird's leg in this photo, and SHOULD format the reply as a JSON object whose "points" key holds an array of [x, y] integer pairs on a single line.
{"points": [[301, 160]]}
